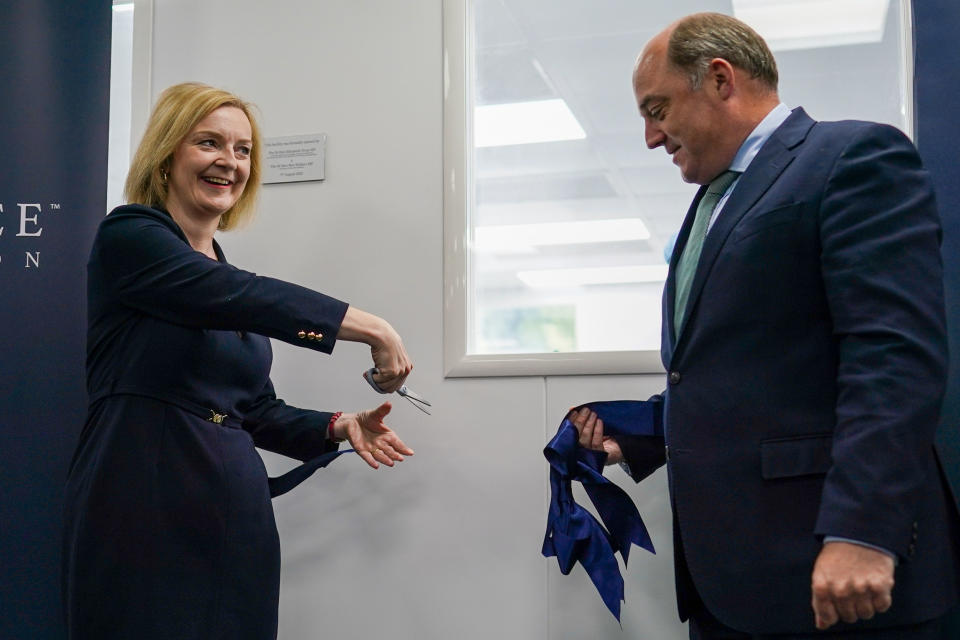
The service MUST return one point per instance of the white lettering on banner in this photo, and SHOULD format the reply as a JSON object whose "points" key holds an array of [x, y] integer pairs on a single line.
{"points": [[31, 230], [24, 219]]}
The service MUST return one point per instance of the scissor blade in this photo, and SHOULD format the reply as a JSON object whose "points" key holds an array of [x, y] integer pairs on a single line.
{"points": [[416, 404], [405, 391]]}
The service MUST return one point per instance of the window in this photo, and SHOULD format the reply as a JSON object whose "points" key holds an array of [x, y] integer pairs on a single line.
{"points": [[130, 89], [558, 220], [121, 74]]}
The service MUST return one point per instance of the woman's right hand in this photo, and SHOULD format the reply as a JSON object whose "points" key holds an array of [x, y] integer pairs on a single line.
{"points": [[386, 348], [391, 360]]}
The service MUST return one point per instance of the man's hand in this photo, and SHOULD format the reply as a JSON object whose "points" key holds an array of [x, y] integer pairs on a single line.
{"points": [[850, 582], [590, 428]]}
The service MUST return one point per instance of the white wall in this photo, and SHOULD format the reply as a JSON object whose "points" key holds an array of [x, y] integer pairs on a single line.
{"points": [[447, 545]]}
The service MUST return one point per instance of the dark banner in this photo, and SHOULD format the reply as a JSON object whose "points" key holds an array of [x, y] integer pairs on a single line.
{"points": [[937, 73], [54, 107], [937, 76]]}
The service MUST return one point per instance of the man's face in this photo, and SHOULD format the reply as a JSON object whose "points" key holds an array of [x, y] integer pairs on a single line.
{"points": [[688, 124]]}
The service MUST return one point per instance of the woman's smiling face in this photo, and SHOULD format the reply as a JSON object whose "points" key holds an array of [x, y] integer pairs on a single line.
{"points": [[210, 167]]}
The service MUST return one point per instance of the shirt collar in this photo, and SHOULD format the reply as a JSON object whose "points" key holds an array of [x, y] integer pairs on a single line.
{"points": [[751, 146]]}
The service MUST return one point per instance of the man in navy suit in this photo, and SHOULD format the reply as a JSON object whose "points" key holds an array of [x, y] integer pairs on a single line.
{"points": [[805, 347]]}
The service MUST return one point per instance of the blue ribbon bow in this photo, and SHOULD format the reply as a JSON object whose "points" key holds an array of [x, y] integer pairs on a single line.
{"points": [[573, 534]]}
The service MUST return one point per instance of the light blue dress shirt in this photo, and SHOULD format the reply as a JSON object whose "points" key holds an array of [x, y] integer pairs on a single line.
{"points": [[749, 150]]}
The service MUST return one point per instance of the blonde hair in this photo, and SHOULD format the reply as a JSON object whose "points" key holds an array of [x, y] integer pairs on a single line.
{"points": [[177, 111]]}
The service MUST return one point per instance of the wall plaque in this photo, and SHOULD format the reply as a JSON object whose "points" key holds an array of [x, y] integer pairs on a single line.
{"points": [[294, 158]]}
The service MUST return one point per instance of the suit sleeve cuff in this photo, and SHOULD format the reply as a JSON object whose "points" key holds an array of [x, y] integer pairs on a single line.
{"points": [[827, 539]]}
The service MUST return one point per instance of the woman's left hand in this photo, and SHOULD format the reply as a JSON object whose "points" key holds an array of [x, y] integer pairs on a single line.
{"points": [[374, 441]]}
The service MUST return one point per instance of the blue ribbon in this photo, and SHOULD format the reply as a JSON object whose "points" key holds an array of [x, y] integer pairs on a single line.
{"points": [[281, 484], [573, 534]]}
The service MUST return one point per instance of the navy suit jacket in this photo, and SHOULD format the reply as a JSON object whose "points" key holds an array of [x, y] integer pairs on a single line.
{"points": [[804, 390]]}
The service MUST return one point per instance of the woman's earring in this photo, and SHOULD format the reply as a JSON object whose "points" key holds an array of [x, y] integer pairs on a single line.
{"points": [[163, 176]]}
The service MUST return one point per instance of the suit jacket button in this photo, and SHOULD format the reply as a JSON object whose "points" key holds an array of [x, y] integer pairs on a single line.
{"points": [[311, 336], [674, 377], [319, 336], [301, 334]]}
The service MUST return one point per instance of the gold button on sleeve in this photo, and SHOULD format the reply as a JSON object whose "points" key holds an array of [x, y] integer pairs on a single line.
{"points": [[301, 334]]}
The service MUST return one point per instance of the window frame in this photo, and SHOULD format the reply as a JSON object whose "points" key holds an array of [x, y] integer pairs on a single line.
{"points": [[459, 191]]}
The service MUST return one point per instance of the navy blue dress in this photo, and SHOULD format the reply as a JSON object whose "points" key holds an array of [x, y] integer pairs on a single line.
{"points": [[169, 528]]}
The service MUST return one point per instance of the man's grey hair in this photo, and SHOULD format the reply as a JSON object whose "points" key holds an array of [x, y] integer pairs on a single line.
{"points": [[698, 39]]}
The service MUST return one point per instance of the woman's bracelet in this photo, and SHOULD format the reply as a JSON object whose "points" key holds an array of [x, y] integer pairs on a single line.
{"points": [[333, 419]]}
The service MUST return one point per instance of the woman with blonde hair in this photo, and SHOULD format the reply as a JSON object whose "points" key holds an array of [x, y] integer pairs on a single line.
{"points": [[169, 528]]}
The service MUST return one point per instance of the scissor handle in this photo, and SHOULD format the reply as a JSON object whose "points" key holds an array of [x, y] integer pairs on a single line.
{"points": [[368, 376], [412, 398]]}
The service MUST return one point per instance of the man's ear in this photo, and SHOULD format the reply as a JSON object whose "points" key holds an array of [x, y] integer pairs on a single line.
{"points": [[721, 78]]}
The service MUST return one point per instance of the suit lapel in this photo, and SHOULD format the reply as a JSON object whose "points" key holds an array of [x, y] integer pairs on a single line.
{"points": [[775, 155]]}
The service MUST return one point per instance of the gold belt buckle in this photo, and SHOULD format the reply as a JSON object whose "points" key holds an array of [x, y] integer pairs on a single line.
{"points": [[217, 418]]}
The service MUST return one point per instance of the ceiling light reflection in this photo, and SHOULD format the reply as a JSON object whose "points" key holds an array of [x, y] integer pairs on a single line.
{"points": [[522, 238], [811, 24], [498, 125], [554, 278]]}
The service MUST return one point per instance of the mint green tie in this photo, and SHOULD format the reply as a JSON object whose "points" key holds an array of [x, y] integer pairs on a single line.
{"points": [[687, 265]]}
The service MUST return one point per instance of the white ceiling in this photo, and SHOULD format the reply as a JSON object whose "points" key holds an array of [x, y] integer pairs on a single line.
{"points": [[583, 51]]}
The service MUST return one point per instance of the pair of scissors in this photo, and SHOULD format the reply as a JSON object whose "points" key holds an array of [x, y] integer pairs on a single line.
{"points": [[414, 399]]}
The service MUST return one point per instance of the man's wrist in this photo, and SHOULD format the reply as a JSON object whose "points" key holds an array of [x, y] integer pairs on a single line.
{"points": [[828, 539]]}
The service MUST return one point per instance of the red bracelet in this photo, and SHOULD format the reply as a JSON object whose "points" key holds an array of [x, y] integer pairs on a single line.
{"points": [[333, 419]]}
